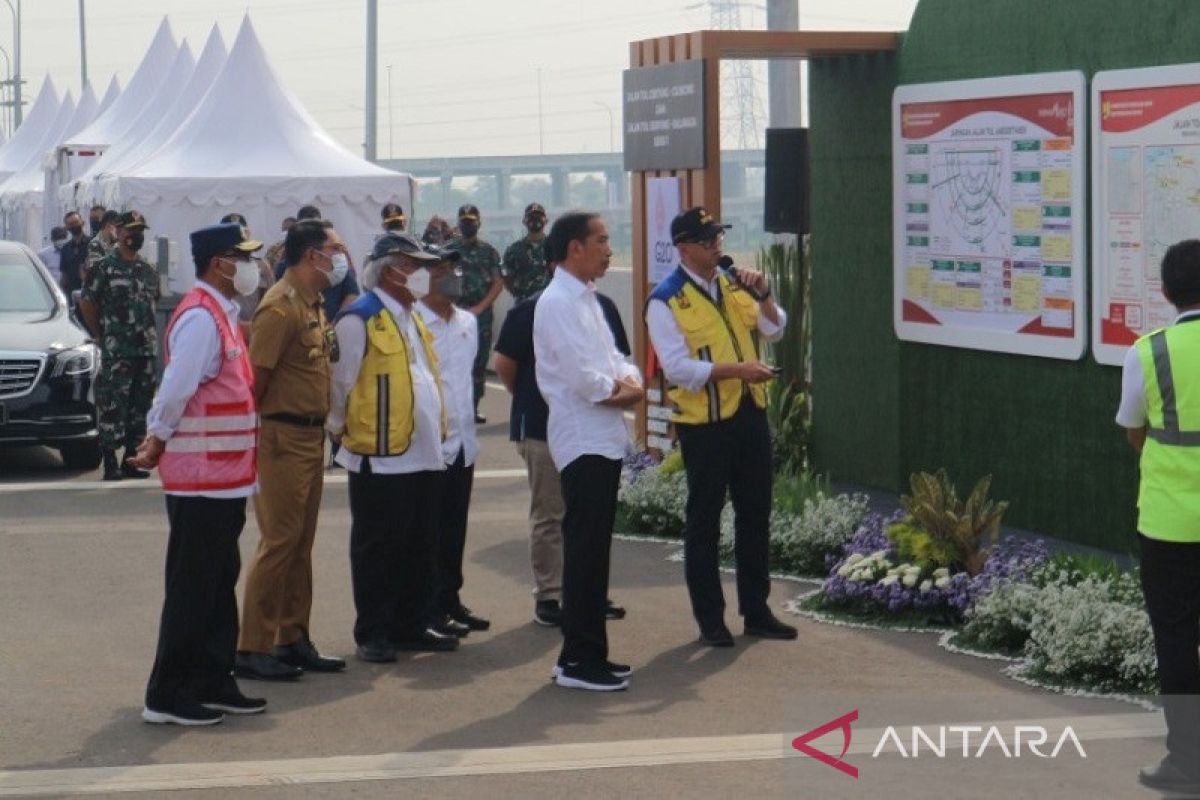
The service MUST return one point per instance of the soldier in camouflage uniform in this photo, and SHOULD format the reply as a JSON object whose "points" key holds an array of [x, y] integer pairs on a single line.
{"points": [[525, 270], [118, 306], [100, 245], [480, 263]]}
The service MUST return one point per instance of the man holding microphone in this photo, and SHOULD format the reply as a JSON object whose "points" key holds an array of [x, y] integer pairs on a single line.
{"points": [[705, 323]]}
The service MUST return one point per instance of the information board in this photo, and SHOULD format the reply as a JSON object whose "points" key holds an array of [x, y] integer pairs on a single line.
{"points": [[664, 116], [1145, 196], [989, 223]]}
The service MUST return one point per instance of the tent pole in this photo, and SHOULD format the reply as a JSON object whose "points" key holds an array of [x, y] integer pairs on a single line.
{"points": [[372, 69]]}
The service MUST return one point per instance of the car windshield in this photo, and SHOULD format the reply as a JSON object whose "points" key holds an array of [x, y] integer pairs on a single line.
{"points": [[21, 285]]}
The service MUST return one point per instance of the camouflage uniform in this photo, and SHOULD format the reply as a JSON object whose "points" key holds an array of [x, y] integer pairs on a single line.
{"points": [[525, 266], [125, 295], [480, 264], [97, 249]]}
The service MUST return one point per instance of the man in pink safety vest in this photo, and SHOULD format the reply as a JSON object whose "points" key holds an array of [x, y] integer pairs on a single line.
{"points": [[201, 434]]}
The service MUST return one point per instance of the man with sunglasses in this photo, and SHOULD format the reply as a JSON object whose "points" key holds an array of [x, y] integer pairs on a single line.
{"points": [[705, 325], [291, 348]]}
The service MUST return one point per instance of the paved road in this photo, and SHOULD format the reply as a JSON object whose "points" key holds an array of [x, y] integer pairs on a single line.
{"points": [[81, 583]]}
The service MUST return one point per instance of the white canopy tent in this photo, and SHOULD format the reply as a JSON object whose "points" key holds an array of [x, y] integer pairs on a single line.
{"points": [[20, 194], [110, 96], [47, 198], [152, 112], [251, 147], [27, 138]]}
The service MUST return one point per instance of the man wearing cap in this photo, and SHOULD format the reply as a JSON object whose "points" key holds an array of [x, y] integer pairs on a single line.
{"points": [[394, 220], [291, 347], [388, 419], [118, 304], [266, 274], [480, 263], [455, 340], [104, 240], [201, 436], [705, 324], [525, 271]]}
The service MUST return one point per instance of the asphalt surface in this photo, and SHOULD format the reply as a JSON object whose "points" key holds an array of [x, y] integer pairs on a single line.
{"points": [[81, 588]]}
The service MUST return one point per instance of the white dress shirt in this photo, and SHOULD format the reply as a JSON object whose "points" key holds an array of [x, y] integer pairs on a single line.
{"points": [[194, 347], [669, 343], [578, 365], [51, 256], [424, 452], [1132, 413], [456, 342]]}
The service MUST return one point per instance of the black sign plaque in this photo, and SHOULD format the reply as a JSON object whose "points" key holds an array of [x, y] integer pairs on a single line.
{"points": [[664, 116]]}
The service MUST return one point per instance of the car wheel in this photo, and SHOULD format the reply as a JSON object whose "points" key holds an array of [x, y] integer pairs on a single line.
{"points": [[81, 455]]}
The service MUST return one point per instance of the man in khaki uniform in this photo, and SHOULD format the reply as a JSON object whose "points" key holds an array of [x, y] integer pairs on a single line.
{"points": [[291, 349]]}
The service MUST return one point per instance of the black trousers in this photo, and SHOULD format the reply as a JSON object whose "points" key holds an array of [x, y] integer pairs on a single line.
{"points": [[589, 488], [454, 503], [1171, 584], [733, 455], [197, 635], [392, 541]]}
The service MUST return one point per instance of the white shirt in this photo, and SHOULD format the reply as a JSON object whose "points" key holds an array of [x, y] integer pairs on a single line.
{"points": [[578, 365], [1132, 411], [456, 342], [194, 345], [51, 256], [424, 452], [671, 346]]}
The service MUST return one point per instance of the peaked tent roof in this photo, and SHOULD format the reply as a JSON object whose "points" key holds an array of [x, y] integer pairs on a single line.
{"points": [[85, 111], [110, 95], [29, 176], [151, 113], [25, 141], [212, 59], [118, 118]]}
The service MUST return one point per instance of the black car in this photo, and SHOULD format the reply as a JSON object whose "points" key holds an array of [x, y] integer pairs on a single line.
{"points": [[47, 364]]}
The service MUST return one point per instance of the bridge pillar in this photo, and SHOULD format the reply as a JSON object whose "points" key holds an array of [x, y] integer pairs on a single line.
{"points": [[560, 180], [618, 187], [447, 181], [503, 189], [733, 180]]}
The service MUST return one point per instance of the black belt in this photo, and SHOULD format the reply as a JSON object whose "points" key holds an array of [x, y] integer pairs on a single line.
{"points": [[296, 419]]}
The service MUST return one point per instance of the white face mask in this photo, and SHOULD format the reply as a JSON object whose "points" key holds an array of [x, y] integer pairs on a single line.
{"points": [[245, 276], [340, 264], [418, 283]]}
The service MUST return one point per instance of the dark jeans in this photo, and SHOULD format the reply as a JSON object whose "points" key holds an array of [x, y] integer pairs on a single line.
{"points": [[392, 541], [733, 455], [197, 635], [1171, 584], [454, 503], [589, 488]]}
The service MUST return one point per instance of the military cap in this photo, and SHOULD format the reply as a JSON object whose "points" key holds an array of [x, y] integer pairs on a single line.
{"points": [[392, 212], [468, 212], [534, 208], [132, 220]]}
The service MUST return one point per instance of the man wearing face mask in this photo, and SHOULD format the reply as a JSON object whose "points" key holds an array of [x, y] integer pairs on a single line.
{"points": [[525, 269], [104, 240], [455, 338], [201, 436], [291, 347], [118, 303], [249, 301], [96, 218], [51, 254], [482, 284], [74, 255], [388, 417]]}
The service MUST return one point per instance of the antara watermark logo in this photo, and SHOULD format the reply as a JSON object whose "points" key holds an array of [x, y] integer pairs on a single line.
{"points": [[943, 741]]}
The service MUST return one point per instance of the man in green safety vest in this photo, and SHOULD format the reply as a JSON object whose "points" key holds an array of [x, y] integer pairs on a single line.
{"points": [[1160, 410]]}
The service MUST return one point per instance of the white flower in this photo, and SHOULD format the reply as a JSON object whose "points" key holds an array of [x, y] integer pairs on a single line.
{"points": [[879, 555], [926, 585], [889, 580], [855, 558], [942, 581], [911, 569], [909, 579], [941, 572]]}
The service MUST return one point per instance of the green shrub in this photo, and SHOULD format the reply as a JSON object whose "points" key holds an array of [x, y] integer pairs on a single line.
{"points": [[791, 493], [968, 528], [654, 504], [918, 546], [805, 543]]}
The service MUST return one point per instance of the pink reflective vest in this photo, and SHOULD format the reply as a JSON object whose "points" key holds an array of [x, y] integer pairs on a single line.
{"points": [[215, 444]]}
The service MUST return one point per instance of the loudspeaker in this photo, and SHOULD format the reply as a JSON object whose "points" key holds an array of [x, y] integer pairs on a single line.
{"points": [[786, 197]]}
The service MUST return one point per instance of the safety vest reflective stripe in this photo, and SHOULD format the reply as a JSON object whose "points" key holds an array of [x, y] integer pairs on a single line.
{"points": [[1169, 433], [209, 444], [217, 424]]}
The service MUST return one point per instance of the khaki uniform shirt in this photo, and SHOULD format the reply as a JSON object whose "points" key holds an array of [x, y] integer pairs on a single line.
{"points": [[291, 337]]}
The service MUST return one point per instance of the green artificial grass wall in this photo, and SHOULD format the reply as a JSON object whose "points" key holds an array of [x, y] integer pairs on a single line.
{"points": [[883, 409]]}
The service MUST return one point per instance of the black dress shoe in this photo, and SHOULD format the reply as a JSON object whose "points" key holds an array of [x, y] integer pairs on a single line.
{"points": [[1166, 776], [716, 636], [451, 627], [770, 628], [464, 615], [112, 470], [303, 653], [614, 611], [264, 667], [548, 613], [377, 652], [427, 641]]}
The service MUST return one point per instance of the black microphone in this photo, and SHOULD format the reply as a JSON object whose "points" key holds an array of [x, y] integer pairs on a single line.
{"points": [[725, 263]]}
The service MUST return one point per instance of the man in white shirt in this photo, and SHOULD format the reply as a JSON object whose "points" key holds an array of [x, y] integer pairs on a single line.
{"points": [[51, 254], [201, 432], [388, 419], [587, 383], [705, 325], [456, 340]]}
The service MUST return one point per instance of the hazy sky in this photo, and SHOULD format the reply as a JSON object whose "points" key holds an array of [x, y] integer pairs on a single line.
{"points": [[464, 72]]}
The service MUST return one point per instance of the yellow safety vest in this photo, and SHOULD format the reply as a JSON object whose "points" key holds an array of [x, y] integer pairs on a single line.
{"points": [[1169, 493], [720, 334], [379, 410]]}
